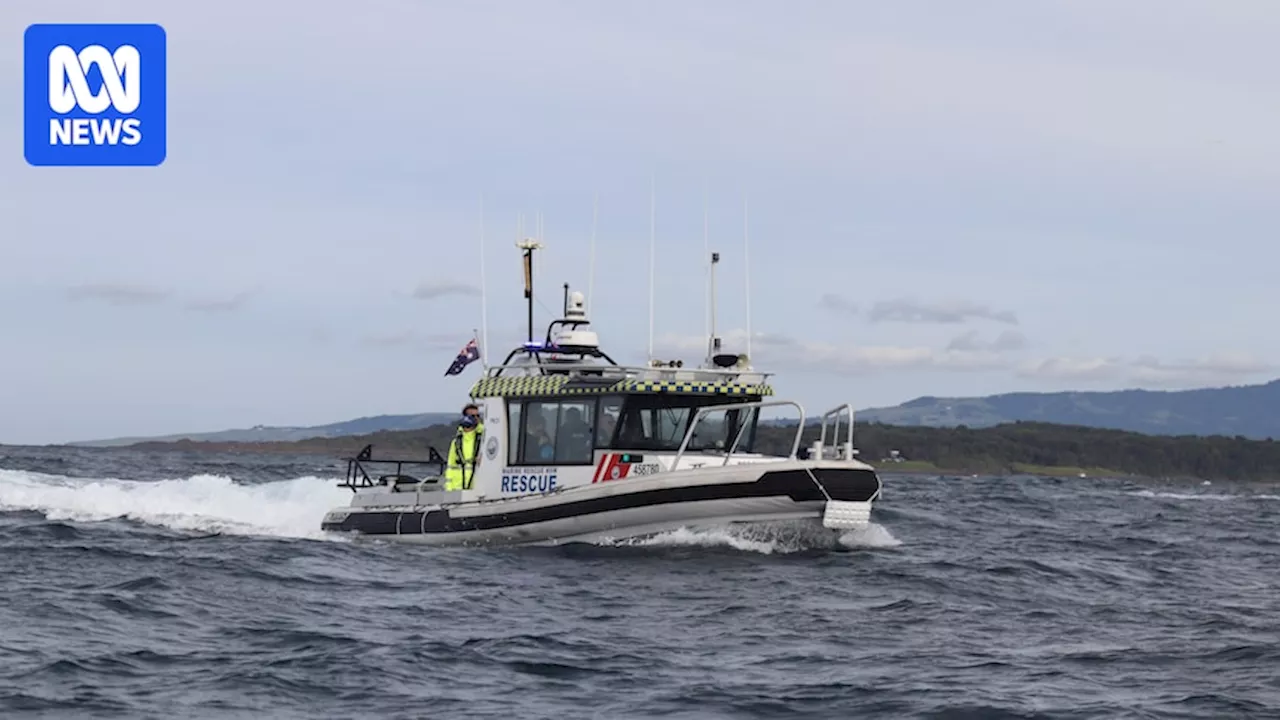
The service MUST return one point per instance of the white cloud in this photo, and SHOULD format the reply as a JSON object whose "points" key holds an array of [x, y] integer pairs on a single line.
{"points": [[1096, 368], [444, 288], [781, 352], [226, 304], [908, 310], [838, 304], [1218, 368], [970, 353], [972, 341]]}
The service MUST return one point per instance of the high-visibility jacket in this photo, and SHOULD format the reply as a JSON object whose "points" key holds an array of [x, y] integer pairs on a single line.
{"points": [[464, 453]]}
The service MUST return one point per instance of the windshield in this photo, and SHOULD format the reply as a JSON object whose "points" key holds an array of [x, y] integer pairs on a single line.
{"points": [[656, 422]]}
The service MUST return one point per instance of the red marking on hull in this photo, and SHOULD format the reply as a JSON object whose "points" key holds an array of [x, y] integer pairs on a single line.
{"points": [[604, 462], [615, 469]]}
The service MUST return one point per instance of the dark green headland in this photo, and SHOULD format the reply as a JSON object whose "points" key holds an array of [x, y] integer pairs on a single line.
{"points": [[1012, 448]]}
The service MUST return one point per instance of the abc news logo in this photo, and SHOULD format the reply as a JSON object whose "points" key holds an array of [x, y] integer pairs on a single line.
{"points": [[94, 94], [69, 89]]}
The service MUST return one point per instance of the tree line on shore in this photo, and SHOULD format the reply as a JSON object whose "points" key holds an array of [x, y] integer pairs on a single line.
{"points": [[990, 450], [1001, 448]]}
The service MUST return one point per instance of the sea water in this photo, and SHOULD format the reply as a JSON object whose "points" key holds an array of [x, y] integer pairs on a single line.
{"points": [[162, 585]]}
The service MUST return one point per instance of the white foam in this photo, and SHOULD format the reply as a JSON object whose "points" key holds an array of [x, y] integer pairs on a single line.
{"points": [[704, 537], [1199, 496], [766, 538], [204, 503], [873, 536]]}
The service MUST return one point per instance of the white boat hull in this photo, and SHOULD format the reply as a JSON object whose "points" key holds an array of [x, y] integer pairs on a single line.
{"points": [[838, 494]]}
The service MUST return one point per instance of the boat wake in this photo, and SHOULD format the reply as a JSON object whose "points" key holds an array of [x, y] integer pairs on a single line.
{"points": [[1201, 496], [199, 503], [767, 538], [217, 504]]}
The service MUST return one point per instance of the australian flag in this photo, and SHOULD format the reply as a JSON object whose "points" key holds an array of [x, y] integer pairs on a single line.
{"points": [[469, 354]]}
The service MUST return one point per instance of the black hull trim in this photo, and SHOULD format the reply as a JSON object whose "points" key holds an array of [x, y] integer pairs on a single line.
{"points": [[842, 484]]}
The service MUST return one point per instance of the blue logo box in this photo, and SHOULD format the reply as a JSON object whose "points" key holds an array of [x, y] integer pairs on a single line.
{"points": [[94, 95]]}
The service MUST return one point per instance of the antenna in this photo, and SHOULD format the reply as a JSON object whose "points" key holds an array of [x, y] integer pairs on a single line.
{"points": [[528, 269], [746, 271], [538, 230], [653, 212], [591, 267], [713, 345], [528, 245], [484, 302], [706, 250]]}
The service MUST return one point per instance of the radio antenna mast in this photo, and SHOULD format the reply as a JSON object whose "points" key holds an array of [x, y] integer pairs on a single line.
{"points": [[746, 270], [706, 251], [591, 267], [713, 342], [653, 212], [484, 298]]}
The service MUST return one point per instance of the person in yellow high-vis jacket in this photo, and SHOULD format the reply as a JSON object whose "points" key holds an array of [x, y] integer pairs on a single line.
{"points": [[464, 451]]}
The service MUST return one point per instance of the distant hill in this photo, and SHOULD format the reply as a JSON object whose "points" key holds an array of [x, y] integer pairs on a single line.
{"points": [[1251, 411], [261, 433]]}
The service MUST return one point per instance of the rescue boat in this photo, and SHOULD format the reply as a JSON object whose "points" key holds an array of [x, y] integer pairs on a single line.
{"points": [[578, 448]]}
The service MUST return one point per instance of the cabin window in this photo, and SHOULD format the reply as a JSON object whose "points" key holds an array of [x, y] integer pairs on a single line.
{"points": [[711, 432], [718, 430], [514, 411], [574, 435], [610, 411], [659, 423], [671, 425], [539, 433], [557, 432]]}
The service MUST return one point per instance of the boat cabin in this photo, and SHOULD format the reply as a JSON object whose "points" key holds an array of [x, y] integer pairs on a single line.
{"points": [[553, 421], [562, 407]]}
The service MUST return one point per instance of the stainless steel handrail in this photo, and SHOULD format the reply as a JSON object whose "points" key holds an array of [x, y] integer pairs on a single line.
{"points": [[706, 410], [835, 431]]}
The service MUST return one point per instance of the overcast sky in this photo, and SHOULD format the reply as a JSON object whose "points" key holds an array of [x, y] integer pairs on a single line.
{"points": [[944, 199]]}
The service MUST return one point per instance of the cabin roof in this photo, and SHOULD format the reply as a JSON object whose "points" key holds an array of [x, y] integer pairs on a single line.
{"points": [[566, 385]]}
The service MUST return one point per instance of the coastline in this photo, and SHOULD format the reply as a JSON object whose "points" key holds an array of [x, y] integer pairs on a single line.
{"points": [[1023, 448]]}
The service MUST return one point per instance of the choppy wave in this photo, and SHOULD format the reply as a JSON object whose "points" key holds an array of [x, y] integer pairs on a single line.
{"points": [[205, 503], [1203, 496], [174, 586]]}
